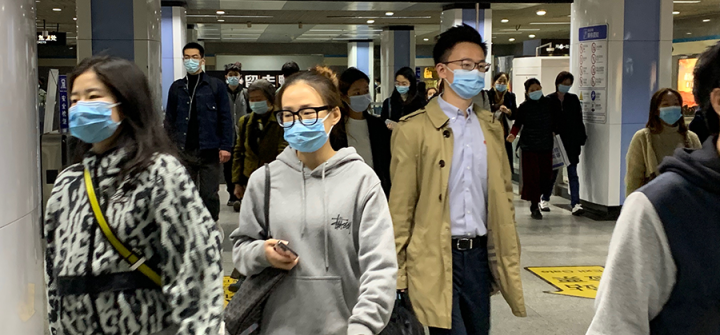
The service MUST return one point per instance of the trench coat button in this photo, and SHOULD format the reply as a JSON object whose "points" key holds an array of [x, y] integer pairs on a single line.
{"points": [[442, 163], [446, 133]]}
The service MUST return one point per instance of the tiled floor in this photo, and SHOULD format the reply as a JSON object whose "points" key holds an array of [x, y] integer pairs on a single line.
{"points": [[560, 239]]}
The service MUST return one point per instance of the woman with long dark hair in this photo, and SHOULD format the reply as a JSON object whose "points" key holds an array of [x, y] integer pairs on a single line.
{"points": [[405, 99], [665, 131], [537, 121], [131, 248], [502, 100], [329, 207]]}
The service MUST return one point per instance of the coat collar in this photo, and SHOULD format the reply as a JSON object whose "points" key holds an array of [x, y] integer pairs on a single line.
{"points": [[439, 119]]}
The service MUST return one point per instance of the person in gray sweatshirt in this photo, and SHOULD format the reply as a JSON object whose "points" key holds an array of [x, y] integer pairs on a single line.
{"points": [[331, 210]]}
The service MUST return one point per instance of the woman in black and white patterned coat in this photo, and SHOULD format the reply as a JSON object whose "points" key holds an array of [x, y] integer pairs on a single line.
{"points": [[150, 204]]}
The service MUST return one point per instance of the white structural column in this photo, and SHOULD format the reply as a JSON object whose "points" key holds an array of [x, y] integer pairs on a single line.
{"points": [[397, 50], [361, 55], [638, 63], [22, 284], [174, 37], [478, 16], [103, 29]]}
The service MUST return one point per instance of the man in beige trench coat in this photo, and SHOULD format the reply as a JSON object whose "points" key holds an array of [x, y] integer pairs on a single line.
{"points": [[451, 199]]}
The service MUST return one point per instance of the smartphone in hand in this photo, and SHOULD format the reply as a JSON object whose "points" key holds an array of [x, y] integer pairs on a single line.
{"points": [[284, 247]]}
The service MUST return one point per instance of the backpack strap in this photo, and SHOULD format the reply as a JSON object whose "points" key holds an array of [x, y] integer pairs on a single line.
{"points": [[136, 261]]}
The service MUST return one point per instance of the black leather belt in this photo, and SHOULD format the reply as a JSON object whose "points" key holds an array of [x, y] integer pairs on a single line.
{"points": [[463, 244], [112, 282]]}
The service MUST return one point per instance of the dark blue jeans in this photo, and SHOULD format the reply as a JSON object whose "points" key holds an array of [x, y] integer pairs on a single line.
{"points": [[574, 185], [472, 284]]}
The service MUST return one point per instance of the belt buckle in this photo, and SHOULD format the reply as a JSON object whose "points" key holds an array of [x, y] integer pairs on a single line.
{"points": [[460, 240]]}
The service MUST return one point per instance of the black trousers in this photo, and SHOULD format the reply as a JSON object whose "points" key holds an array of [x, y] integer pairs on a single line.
{"points": [[472, 285], [510, 154], [205, 170], [227, 172]]}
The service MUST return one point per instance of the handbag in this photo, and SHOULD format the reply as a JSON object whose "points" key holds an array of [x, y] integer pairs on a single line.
{"points": [[136, 261], [403, 320], [243, 315]]}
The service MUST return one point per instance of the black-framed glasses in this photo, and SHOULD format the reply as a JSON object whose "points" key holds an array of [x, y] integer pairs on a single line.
{"points": [[469, 65], [308, 116]]}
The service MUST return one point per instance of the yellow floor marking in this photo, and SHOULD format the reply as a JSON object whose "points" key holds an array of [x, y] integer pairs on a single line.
{"points": [[574, 281], [227, 281]]}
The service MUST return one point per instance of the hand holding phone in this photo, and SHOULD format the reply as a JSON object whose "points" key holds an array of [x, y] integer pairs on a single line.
{"points": [[282, 248], [278, 257]]}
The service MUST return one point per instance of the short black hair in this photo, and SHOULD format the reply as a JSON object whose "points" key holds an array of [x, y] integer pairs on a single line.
{"points": [[453, 36], [290, 68], [529, 83], [349, 77], [562, 76], [707, 78], [231, 68], [194, 45]]}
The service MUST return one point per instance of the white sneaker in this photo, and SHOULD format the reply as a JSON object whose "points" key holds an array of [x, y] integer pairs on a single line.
{"points": [[578, 209], [544, 206]]}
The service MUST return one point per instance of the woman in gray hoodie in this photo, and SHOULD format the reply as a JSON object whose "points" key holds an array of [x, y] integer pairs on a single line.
{"points": [[331, 210]]}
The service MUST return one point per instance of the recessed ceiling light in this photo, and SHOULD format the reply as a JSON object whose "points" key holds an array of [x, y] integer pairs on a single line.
{"points": [[426, 39], [57, 9], [504, 20], [221, 20], [541, 12], [370, 21], [389, 13], [74, 19], [688, 33], [220, 12], [686, 1], [531, 36], [676, 12], [706, 20], [511, 39]]}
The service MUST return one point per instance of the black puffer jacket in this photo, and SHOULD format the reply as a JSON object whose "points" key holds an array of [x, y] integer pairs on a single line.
{"points": [[537, 122], [569, 122]]}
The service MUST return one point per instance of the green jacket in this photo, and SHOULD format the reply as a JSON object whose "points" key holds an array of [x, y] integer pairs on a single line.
{"points": [[260, 140]]}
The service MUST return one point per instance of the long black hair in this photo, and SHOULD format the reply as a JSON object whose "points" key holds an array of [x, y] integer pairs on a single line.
{"points": [[141, 132], [410, 75], [347, 78]]}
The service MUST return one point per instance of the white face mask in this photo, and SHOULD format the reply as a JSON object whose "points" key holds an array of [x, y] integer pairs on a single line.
{"points": [[360, 103]]}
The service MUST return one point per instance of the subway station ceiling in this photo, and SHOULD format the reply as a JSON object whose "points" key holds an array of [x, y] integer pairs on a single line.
{"points": [[273, 21]]}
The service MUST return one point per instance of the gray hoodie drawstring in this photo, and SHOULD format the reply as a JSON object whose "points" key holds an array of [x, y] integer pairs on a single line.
{"points": [[304, 204], [325, 217]]}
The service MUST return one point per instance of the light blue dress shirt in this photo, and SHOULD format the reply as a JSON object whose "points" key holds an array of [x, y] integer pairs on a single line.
{"points": [[468, 184]]}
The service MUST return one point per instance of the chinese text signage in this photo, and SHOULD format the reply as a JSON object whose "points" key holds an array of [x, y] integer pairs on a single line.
{"points": [[62, 94], [592, 76], [574, 281]]}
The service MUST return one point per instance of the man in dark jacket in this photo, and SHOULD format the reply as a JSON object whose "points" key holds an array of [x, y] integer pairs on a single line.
{"points": [[569, 125], [199, 121], [661, 271]]}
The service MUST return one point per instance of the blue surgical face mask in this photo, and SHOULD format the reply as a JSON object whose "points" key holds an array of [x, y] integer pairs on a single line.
{"points": [[306, 138], [671, 114], [192, 65], [91, 121], [467, 84], [402, 89], [259, 107], [360, 103], [501, 87], [564, 88], [535, 95], [233, 81]]}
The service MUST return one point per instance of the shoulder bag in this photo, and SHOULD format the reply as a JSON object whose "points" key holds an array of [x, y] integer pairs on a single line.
{"points": [[243, 315]]}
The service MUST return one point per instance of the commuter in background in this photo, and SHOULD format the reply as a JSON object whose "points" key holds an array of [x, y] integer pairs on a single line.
{"points": [[536, 120], [665, 131], [288, 69], [503, 101], [699, 126], [199, 121], [360, 129], [663, 261], [238, 106], [330, 208], [404, 99], [571, 128], [451, 199], [143, 194], [431, 93], [260, 138]]}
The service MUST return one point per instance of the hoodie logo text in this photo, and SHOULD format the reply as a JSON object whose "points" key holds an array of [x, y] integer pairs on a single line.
{"points": [[340, 224]]}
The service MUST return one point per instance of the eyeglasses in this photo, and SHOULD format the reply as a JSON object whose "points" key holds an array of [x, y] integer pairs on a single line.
{"points": [[469, 65], [308, 116]]}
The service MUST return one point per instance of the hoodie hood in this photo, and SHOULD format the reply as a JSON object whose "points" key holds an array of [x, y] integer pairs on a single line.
{"points": [[341, 158], [699, 167]]}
